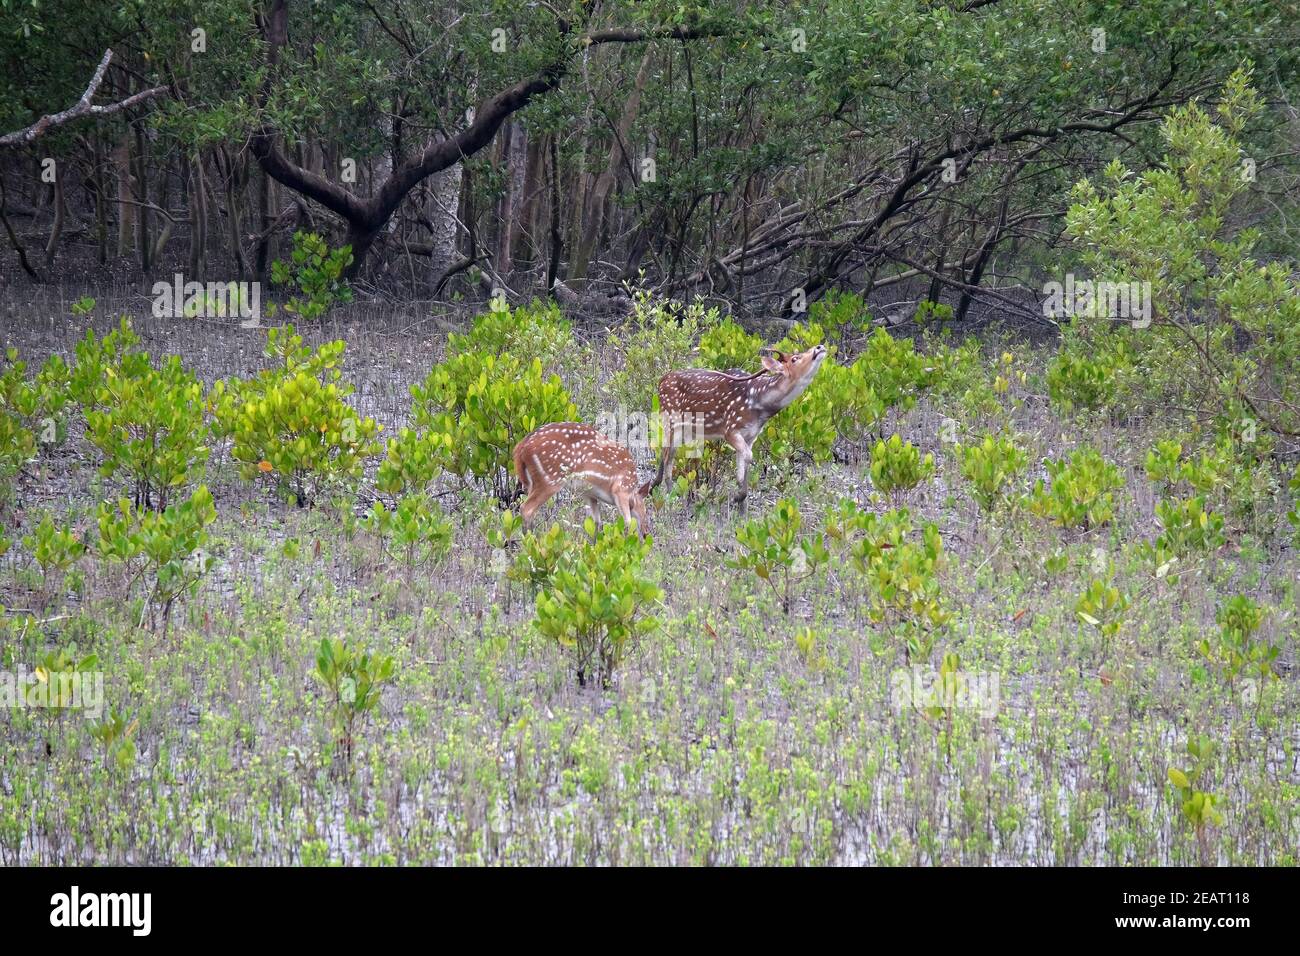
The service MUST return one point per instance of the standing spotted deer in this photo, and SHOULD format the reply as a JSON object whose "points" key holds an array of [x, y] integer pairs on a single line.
{"points": [[732, 406], [564, 451]]}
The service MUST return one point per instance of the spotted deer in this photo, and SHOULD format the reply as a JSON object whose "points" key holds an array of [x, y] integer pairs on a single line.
{"points": [[731, 406], [571, 451]]}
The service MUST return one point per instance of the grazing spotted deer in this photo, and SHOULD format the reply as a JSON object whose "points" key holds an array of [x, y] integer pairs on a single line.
{"points": [[563, 451], [731, 406]]}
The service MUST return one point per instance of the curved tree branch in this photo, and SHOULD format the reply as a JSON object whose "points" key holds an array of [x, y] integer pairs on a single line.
{"points": [[82, 108], [366, 216]]}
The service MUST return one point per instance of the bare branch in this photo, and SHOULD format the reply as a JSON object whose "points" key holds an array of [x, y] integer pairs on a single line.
{"points": [[82, 108]]}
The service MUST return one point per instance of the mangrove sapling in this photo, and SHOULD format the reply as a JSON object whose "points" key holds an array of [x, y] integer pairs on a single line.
{"points": [[1081, 493], [1102, 606], [992, 467], [898, 466], [63, 681], [165, 549], [116, 735], [592, 604], [57, 549], [777, 553], [1200, 808], [355, 680], [291, 421], [414, 534]]}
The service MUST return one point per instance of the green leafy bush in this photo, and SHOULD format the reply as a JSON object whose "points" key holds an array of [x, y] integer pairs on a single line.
{"points": [[727, 346], [809, 642], [289, 357], [1168, 466], [414, 534], [961, 378], [56, 548], [893, 370], [116, 735], [1187, 526], [165, 547], [992, 467], [540, 554], [1234, 650], [1224, 328], [840, 404], [1102, 606], [501, 528], [94, 356], [303, 432], [149, 424], [54, 391], [1081, 493], [1077, 381], [1164, 463], [840, 312], [808, 426], [1200, 808], [355, 680], [903, 578], [593, 603], [292, 422], [536, 331], [60, 674], [897, 466], [803, 336], [413, 461], [932, 313], [18, 402], [657, 337], [844, 402], [774, 550], [477, 407], [864, 534], [316, 274]]}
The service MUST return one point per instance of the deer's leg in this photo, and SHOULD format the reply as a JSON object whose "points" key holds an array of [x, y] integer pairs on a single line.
{"points": [[593, 509], [744, 455], [536, 498], [624, 505], [666, 456]]}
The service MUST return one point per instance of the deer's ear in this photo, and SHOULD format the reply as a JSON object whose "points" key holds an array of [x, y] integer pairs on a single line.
{"points": [[771, 362]]}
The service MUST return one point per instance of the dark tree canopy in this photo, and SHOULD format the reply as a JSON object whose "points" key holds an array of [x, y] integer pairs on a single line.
{"points": [[764, 152]]}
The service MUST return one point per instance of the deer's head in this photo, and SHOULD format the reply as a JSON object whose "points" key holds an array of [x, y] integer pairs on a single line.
{"points": [[796, 371], [640, 507], [640, 512]]}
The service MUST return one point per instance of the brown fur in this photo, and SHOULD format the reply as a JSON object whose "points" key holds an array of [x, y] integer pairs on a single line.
{"points": [[565, 451], [734, 407]]}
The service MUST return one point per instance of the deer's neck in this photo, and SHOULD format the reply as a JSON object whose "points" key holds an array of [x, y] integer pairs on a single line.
{"points": [[773, 392]]}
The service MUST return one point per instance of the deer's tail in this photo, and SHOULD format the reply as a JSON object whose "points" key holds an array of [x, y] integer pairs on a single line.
{"points": [[521, 469]]}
